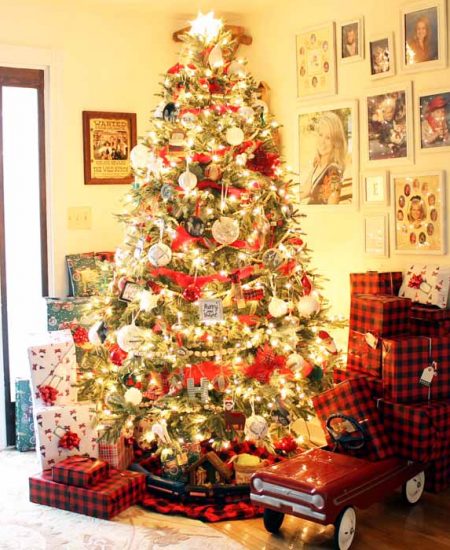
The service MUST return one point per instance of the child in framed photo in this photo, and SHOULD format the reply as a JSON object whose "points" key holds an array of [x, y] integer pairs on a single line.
{"points": [[435, 120], [380, 57], [387, 126], [350, 40]]}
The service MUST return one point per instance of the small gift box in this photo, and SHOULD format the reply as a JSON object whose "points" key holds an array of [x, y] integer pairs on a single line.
{"points": [[80, 471], [89, 273], [119, 454], [25, 436], [427, 284], [364, 353], [380, 315], [53, 368], [373, 282], [104, 500]]}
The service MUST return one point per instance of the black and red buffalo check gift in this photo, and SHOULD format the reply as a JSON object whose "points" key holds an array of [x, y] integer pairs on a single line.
{"points": [[80, 471], [373, 282], [375, 384], [364, 354], [380, 315]]}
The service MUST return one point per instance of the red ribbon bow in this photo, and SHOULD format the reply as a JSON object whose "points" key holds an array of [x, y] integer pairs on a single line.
{"points": [[415, 281], [70, 440], [48, 394]]}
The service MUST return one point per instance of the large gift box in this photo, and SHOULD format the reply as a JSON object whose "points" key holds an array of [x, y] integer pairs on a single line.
{"points": [[373, 282], [404, 362], [353, 398], [364, 353], [69, 312], [104, 500], [419, 432], [429, 321], [427, 284], [89, 273], [375, 384], [53, 368], [119, 454], [64, 431], [25, 436], [379, 315], [81, 471], [437, 476]]}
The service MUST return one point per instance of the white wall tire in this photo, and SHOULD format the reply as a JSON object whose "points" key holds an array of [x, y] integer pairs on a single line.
{"points": [[413, 488], [345, 528]]}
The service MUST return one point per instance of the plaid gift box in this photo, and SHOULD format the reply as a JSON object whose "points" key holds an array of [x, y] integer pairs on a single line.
{"points": [[429, 321], [427, 284], [419, 432], [353, 398], [104, 500], [373, 282], [375, 384], [437, 476], [364, 353], [25, 436], [80, 471], [53, 368], [380, 315], [119, 454], [89, 273]]}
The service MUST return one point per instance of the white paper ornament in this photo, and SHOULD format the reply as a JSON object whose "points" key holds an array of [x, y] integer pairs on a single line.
{"points": [[295, 361], [93, 335], [133, 396], [140, 157], [237, 69], [159, 254], [256, 427], [234, 135], [131, 338], [308, 305], [225, 230], [215, 58], [278, 307], [148, 300], [187, 181]]}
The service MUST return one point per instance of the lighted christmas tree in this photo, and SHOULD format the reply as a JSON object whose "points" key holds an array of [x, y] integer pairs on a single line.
{"points": [[214, 327]]}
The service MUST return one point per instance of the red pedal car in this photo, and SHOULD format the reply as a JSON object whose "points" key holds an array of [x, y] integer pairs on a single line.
{"points": [[324, 486]]}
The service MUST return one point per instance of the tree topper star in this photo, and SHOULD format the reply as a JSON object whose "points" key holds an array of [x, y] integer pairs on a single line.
{"points": [[206, 26]]}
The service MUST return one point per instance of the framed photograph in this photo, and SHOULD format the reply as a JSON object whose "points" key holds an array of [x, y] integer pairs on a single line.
{"points": [[130, 291], [423, 35], [433, 122], [418, 213], [107, 140], [316, 61], [328, 154], [388, 119], [376, 231], [381, 56], [375, 189], [351, 40]]}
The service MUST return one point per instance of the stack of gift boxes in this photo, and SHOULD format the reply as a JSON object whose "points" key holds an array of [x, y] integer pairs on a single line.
{"points": [[398, 369], [73, 477]]}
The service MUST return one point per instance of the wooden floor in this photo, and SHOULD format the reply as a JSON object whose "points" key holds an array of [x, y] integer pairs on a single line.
{"points": [[390, 525]]}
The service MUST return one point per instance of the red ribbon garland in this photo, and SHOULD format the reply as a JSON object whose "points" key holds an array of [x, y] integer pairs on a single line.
{"points": [[183, 279]]}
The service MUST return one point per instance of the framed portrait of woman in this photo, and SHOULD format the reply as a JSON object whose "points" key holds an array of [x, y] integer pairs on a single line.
{"points": [[381, 56], [328, 155], [423, 35], [387, 116], [433, 121], [418, 202]]}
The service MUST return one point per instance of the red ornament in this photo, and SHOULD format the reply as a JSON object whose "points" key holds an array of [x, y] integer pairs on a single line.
{"points": [[192, 293], [154, 287], [117, 355], [48, 394], [80, 336], [263, 162], [286, 445], [306, 283], [70, 440], [265, 363]]}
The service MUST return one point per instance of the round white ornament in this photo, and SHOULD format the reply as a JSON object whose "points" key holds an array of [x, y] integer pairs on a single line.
{"points": [[140, 157], [133, 396], [187, 181], [308, 305], [278, 307], [159, 254], [215, 58], [246, 112], [256, 427], [225, 230], [237, 69], [295, 361], [234, 135], [148, 300], [131, 338]]}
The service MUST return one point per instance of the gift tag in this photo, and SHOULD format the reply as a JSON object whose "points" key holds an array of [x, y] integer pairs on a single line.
{"points": [[427, 376], [371, 340], [425, 287]]}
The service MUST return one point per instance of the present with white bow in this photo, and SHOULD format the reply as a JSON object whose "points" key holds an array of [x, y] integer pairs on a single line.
{"points": [[427, 284]]}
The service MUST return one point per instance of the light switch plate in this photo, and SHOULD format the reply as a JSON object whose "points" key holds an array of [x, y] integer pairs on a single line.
{"points": [[79, 217]]}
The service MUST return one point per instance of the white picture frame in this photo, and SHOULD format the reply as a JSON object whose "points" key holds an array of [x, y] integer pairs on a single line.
{"points": [[381, 55], [432, 109], [352, 30], [376, 235], [428, 18], [375, 188]]}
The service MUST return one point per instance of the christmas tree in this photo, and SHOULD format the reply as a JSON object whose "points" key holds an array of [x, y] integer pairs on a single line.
{"points": [[213, 328]]}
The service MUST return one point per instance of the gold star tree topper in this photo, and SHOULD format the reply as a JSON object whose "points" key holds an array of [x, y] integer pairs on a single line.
{"points": [[206, 26]]}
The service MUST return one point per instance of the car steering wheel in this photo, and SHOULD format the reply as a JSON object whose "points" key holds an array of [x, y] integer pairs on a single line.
{"points": [[348, 440]]}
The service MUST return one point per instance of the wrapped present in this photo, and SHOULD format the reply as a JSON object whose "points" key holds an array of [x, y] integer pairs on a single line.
{"points": [[64, 431], [375, 384], [53, 368], [404, 362], [119, 454], [80, 471], [353, 398], [364, 353], [418, 432], [104, 500], [428, 320], [380, 315], [373, 282], [427, 284], [25, 436], [437, 477], [65, 313], [89, 273]]}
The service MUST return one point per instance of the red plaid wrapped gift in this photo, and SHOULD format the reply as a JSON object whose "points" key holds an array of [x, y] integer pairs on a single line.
{"points": [[375, 384], [364, 353], [429, 321], [353, 398], [427, 284], [418, 432], [437, 476], [80, 471], [104, 500], [119, 454], [373, 282], [379, 315]]}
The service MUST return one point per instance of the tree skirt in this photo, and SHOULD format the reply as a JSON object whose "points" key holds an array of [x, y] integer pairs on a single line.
{"points": [[208, 510]]}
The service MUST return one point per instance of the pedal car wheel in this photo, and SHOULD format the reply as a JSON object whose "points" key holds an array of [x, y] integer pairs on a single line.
{"points": [[273, 520], [413, 489], [344, 528]]}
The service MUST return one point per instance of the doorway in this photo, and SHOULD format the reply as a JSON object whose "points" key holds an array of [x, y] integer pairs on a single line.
{"points": [[23, 233]]}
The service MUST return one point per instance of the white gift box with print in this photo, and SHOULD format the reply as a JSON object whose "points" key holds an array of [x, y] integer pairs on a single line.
{"points": [[427, 284], [53, 364], [53, 423]]}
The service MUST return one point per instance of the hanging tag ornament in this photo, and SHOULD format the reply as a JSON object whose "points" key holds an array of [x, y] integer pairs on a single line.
{"points": [[256, 427], [215, 58], [225, 230], [234, 135]]}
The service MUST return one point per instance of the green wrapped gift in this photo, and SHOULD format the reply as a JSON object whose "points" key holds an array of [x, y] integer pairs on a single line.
{"points": [[25, 437]]}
